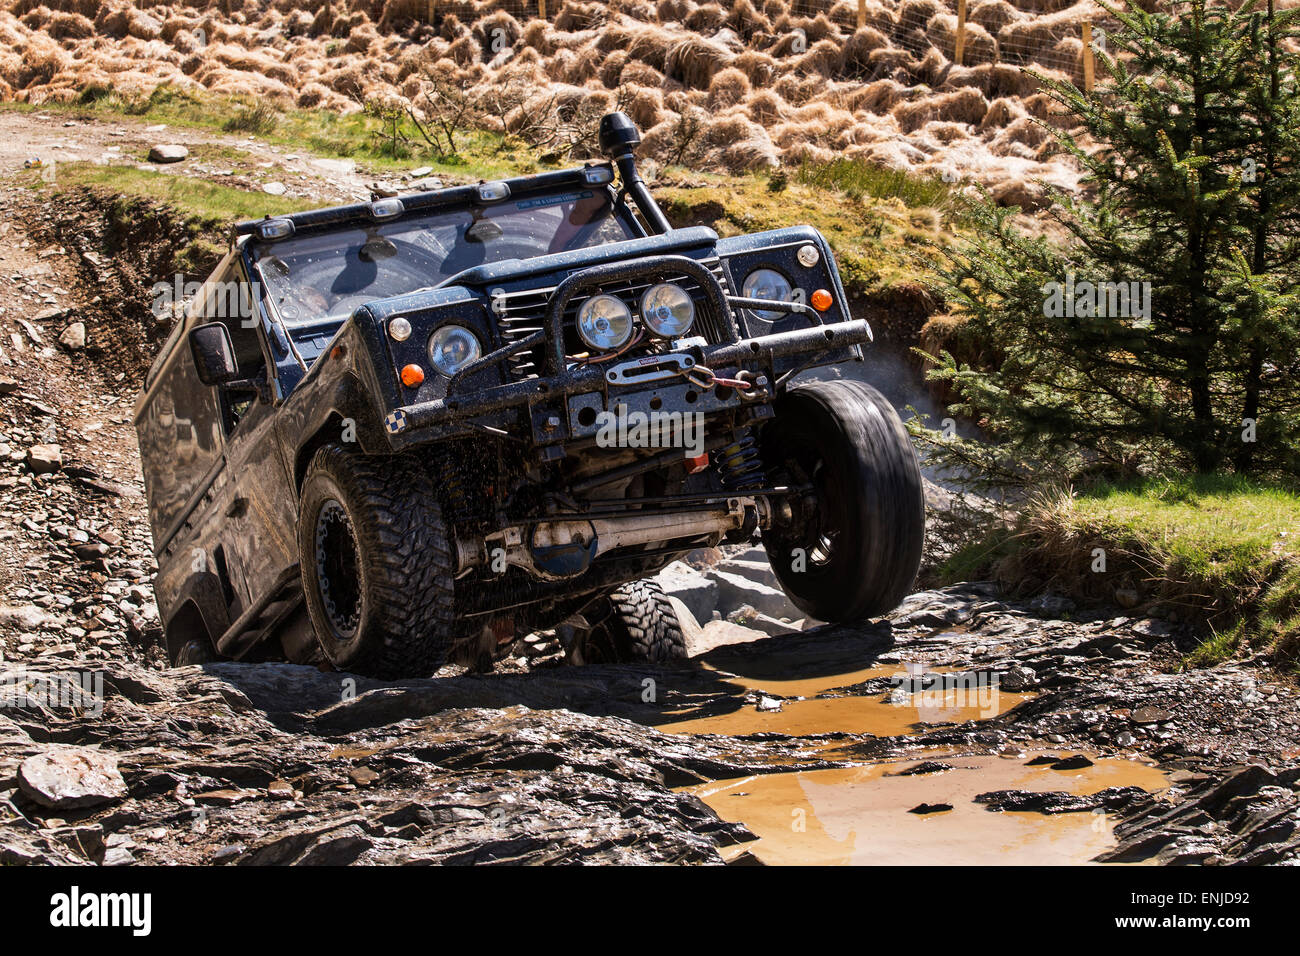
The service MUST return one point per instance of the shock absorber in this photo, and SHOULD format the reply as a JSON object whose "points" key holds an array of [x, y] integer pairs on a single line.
{"points": [[739, 464]]}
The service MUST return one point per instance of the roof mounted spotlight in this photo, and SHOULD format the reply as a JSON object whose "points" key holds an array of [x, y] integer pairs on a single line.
{"points": [[269, 230], [493, 192], [390, 208], [618, 140]]}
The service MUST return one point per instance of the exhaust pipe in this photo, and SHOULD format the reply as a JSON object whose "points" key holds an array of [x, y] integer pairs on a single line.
{"points": [[618, 141]]}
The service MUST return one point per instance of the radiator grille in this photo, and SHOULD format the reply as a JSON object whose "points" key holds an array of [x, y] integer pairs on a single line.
{"points": [[521, 313]]}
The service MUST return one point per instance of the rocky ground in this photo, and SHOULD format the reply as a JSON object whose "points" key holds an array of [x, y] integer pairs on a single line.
{"points": [[272, 763], [109, 757]]}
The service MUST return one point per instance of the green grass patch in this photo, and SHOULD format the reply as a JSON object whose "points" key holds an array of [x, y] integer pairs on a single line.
{"points": [[1220, 549], [860, 180], [879, 241], [1214, 528], [1219, 647], [261, 118], [210, 203], [207, 209]]}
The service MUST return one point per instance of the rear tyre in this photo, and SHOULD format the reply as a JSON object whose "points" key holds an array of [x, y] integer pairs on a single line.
{"points": [[195, 651], [376, 564], [853, 547], [636, 623], [187, 638]]}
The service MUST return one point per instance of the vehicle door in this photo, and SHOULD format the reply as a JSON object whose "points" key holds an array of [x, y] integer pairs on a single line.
{"points": [[257, 538], [182, 459]]}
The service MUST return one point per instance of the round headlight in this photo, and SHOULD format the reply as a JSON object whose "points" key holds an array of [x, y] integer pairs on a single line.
{"points": [[667, 310], [605, 323], [767, 284], [453, 347]]}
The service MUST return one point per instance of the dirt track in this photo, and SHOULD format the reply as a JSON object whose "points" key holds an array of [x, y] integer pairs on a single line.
{"points": [[804, 740], [56, 137]]}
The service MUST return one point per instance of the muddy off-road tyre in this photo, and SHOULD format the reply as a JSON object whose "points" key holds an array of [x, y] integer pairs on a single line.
{"points": [[635, 623], [376, 564], [199, 650], [856, 553]]}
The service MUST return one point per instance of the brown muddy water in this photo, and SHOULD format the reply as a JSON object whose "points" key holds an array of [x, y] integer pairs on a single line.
{"points": [[881, 716], [862, 814], [889, 714]]}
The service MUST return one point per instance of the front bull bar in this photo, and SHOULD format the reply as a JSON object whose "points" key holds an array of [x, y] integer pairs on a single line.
{"points": [[566, 382]]}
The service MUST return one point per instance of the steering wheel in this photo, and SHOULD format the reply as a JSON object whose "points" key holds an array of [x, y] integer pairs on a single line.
{"points": [[344, 306], [310, 282]]}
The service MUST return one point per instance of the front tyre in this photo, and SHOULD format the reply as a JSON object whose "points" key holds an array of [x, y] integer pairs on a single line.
{"points": [[852, 547], [376, 564]]}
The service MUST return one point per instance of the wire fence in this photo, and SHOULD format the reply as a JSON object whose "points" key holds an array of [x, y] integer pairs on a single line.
{"points": [[1050, 41]]}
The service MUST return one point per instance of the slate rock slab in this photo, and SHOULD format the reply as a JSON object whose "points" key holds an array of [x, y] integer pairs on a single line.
{"points": [[69, 778]]}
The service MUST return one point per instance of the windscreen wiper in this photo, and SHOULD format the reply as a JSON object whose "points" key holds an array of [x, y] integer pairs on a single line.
{"points": [[455, 279]]}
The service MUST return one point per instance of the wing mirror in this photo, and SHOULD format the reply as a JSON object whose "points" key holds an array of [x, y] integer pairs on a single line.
{"points": [[214, 356]]}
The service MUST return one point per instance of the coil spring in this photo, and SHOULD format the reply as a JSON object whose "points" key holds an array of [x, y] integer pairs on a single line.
{"points": [[739, 464], [454, 485]]}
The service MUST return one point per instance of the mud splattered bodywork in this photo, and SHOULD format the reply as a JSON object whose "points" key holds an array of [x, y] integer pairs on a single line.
{"points": [[484, 355]]}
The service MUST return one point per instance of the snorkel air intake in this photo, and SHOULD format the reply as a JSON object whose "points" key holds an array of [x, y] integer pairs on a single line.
{"points": [[618, 141]]}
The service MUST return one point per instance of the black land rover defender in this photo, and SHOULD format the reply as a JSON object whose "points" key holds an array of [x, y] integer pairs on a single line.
{"points": [[389, 432]]}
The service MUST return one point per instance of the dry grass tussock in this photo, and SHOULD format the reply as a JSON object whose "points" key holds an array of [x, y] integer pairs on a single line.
{"points": [[726, 84]]}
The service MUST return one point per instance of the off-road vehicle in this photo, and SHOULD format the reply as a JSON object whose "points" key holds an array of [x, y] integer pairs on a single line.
{"points": [[432, 423]]}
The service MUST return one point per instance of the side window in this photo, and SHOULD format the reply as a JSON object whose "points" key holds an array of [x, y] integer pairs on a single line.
{"points": [[230, 302]]}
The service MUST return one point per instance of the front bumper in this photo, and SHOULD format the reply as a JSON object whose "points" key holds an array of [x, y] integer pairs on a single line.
{"points": [[411, 424]]}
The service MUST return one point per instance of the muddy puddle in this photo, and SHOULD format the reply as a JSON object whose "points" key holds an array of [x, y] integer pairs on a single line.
{"points": [[809, 686], [916, 698], [853, 715], [865, 814], [861, 815]]}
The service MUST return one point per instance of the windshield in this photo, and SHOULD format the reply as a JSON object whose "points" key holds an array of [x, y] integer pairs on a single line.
{"points": [[313, 279]]}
